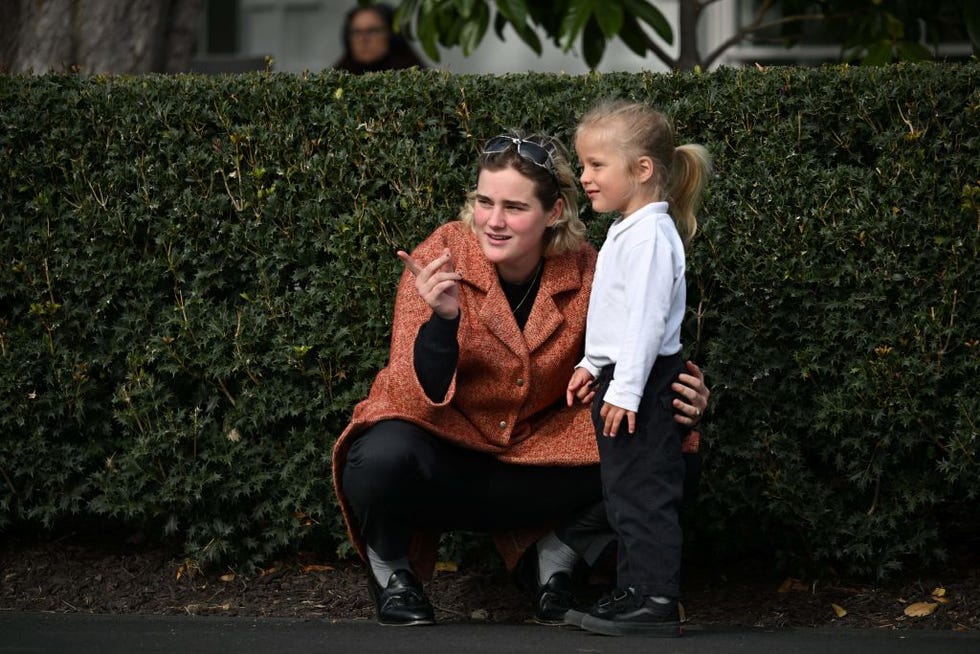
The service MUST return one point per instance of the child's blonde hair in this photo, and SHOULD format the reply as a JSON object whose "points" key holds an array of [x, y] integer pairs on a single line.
{"points": [[643, 131]]}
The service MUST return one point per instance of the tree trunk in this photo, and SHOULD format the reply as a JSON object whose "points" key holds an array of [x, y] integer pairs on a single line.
{"points": [[689, 55], [95, 36]]}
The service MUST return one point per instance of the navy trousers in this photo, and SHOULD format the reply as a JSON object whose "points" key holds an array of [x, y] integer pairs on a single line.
{"points": [[643, 484]]}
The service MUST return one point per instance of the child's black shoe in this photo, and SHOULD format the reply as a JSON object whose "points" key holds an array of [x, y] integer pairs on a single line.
{"points": [[605, 607], [625, 613]]}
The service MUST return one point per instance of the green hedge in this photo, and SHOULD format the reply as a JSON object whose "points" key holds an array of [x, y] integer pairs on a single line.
{"points": [[196, 279]]}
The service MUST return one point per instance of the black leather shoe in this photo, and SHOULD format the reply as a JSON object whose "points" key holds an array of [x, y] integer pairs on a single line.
{"points": [[554, 599], [401, 603]]}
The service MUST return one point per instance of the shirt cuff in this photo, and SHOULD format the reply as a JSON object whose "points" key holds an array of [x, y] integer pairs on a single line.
{"points": [[592, 370], [622, 399]]}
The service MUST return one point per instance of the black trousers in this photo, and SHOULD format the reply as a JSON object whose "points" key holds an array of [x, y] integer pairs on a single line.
{"points": [[643, 484], [400, 478]]}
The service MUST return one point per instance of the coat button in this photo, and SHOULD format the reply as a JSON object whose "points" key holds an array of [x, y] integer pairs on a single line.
{"points": [[503, 425], [520, 382]]}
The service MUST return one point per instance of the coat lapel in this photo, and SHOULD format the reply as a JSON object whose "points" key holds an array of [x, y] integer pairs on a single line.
{"points": [[494, 311], [558, 276], [495, 314]]}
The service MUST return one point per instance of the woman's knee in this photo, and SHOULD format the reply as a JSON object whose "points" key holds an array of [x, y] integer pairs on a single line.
{"points": [[381, 462]]}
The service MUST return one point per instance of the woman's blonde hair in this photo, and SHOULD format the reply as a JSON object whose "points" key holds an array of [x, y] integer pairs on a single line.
{"points": [[552, 181], [643, 131]]}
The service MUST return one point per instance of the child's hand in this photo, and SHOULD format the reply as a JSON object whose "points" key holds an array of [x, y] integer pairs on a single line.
{"points": [[580, 386], [613, 416]]}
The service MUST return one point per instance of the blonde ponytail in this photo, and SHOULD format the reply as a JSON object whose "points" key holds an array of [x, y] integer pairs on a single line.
{"points": [[691, 168]]}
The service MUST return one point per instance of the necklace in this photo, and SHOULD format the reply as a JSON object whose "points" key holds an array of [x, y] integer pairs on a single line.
{"points": [[529, 288]]}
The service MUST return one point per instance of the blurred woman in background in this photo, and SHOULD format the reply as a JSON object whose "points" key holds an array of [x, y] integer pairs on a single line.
{"points": [[371, 44]]}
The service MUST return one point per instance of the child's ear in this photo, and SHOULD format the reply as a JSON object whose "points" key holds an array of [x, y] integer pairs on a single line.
{"points": [[645, 168]]}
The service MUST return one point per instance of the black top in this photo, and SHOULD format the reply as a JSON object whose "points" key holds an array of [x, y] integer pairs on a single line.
{"points": [[436, 348]]}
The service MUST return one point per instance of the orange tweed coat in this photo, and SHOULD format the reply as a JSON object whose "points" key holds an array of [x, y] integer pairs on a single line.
{"points": [[507, 397]]}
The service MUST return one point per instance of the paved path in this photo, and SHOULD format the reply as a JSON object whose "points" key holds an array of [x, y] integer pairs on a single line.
{"points": [[75, 633]]}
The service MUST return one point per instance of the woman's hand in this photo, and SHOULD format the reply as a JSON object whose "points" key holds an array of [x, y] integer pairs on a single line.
{"points": [[580, 386], [436, 283], [695, 392]]}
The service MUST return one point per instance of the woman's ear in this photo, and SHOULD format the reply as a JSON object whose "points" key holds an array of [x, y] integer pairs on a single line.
{"points": [[556, 212]]}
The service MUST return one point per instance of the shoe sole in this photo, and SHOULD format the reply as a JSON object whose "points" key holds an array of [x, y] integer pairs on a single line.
{"points": [[412, 623], [614, 628], [556, 622], [574, 618]]}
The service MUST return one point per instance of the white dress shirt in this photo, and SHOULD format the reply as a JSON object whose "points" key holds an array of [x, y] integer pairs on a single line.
{"points": [[637, 302]]}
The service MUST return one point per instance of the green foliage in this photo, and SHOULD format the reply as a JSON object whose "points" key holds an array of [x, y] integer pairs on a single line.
{"points": [[196, 278], [846, 339], [455, 23], [872, 32], [900, 30]]}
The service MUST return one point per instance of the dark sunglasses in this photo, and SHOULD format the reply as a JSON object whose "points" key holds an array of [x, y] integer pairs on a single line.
{"points": [[528, 150]]}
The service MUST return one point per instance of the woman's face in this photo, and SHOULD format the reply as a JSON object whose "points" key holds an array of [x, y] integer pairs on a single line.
{"points": [[368, 36], [510, 222]]}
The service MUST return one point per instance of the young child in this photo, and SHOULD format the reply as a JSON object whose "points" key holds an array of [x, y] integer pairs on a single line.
{"points": [[633, 352]]}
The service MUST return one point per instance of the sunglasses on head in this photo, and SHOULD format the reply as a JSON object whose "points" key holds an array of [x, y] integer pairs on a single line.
{"points": [[528, 150]]}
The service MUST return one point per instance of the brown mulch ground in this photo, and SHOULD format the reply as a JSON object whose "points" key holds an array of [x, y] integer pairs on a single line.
{"points": [[76, 574]]}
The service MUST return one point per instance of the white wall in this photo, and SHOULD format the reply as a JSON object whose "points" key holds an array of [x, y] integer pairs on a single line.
{"points": [[514, 56]]}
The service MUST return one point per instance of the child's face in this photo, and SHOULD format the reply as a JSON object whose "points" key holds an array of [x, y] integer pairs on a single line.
{"points": [[605, 176], [510, 222]]}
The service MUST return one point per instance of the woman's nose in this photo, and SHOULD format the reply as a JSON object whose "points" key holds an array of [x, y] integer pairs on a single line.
{"points": [[496, 218]]}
